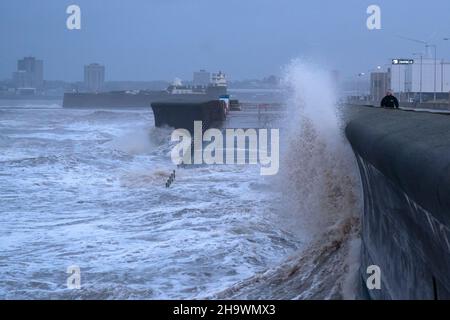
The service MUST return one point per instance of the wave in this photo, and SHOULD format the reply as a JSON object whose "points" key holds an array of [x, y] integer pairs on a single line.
{"points": [[144, 177], [321, 271], [318, 171], [4, 140], [321, 198], [20, 105], [143, 141], [106, 115], [32, 161]]}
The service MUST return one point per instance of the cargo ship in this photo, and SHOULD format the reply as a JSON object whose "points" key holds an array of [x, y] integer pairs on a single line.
{"points": [[143, 98], [178, 106]]}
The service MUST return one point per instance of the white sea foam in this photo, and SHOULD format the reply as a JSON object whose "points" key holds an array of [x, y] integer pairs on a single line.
{"points": [[87, 188]]}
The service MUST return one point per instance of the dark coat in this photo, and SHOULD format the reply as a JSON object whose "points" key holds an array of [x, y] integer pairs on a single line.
{"points": [[389, 102]]}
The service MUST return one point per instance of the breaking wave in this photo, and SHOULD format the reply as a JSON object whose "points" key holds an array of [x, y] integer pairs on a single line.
{"points": [[318, 170], [321, 198], [107, 115], [142, 140]]}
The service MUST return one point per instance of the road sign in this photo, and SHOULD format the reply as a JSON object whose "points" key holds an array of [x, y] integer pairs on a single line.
{"points": [[402, 61]]}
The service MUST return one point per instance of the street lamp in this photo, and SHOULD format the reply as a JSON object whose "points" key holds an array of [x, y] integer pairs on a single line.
{"points": [[427, 45], [442, 68], [435, 67], [361, 74], [420, 86]]}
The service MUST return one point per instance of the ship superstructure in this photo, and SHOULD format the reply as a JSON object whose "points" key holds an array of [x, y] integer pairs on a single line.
{"points": [[143, 98]]}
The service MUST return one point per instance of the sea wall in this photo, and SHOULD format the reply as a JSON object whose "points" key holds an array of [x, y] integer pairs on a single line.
{"points": [[404, 163]]}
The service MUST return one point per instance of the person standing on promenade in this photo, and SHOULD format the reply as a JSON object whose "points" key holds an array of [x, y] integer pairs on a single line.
{"points": [[389, 101]]}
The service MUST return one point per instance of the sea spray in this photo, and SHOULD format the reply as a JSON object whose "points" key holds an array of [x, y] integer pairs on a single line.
{"points": [[138, 142], [317, 170], [321, 197], [318, 167]]}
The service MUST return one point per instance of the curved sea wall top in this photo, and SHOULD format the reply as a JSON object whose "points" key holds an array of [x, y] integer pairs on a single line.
{"points": [[404, 162]]}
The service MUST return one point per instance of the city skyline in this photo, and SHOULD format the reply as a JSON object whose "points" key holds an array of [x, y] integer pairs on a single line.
{"points": [[196, 75], [163, 40]]}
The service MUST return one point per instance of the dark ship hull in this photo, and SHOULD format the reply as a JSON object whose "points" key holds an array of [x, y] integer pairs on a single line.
{"points": [[112, 99], [182, 115]]}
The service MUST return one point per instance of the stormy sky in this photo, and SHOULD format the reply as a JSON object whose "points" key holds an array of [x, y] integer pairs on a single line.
{"points": [[163, 39]]}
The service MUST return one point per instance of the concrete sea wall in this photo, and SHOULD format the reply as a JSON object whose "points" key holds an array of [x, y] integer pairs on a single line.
{"points": [[404, 162]]}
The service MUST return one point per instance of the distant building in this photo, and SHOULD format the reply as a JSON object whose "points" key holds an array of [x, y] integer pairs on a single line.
{"points": [[421, 76], [94, 77], [21, 79], [379, 84], [29, 74], [219, 79], [201, 78], [26, 91], [271, 80]]}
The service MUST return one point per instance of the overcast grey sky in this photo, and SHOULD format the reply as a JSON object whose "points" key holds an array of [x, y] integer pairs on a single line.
{"points": [[162, 39]]}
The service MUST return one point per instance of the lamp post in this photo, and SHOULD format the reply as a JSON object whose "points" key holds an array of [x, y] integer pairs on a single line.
{"points": [[420, 83], [445, 39], [361, 74], [378, 94], [427, 45], [435, 67]]}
